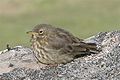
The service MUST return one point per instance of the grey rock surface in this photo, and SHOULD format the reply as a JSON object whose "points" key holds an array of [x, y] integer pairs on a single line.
{"points": [[19, 63]]}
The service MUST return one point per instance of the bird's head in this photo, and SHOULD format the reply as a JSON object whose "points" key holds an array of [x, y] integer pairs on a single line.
{"points": [[41, 32]]}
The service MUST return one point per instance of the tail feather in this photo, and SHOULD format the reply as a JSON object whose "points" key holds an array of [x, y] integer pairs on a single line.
{"points": [[89, 47], [83, 47]]}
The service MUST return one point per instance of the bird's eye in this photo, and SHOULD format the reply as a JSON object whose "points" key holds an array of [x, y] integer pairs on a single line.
{"points": [[41, 32]]}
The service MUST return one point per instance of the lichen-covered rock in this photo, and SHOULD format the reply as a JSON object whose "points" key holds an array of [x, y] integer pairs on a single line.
{"points": [[102, 66]]}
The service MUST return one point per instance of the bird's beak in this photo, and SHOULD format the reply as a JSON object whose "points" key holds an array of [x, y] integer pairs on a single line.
{"points": [[31, 32]]}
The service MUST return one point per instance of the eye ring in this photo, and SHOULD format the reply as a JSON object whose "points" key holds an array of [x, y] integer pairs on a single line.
{"points": [[40, 31]]}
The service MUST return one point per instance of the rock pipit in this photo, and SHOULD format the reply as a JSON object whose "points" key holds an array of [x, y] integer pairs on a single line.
{"points": [[57, 46]]}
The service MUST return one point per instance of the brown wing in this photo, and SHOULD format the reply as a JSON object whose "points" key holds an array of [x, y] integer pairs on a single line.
{"points": [[80, 49], [68, 43], [75, 44], [67, 36], [60, 38]]}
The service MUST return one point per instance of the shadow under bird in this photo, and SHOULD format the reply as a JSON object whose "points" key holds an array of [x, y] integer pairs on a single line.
{"points": [[53, 45]]}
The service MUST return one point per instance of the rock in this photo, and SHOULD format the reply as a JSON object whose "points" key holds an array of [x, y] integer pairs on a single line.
{"points": [[18, 57], [19, 63]]}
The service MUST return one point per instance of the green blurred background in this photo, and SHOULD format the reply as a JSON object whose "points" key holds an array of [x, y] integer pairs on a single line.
{"points": [[83, 18]]}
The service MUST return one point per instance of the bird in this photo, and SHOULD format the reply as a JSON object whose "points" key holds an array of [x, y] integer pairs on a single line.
{"points": [[52, 45]]}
